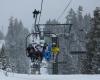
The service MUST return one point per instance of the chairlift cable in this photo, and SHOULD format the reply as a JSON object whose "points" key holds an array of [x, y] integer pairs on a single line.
{"points": [[65, 9], [40, 11]]}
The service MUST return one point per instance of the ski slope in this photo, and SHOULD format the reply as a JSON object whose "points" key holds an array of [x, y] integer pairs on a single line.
{"points": [[44, 74], [14, 76]]}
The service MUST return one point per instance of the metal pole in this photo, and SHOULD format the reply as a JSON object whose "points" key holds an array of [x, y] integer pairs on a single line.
{"points": [[35, 23], [55, 65]]}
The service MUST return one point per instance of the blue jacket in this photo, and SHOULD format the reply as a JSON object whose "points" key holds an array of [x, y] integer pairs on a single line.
{"points": [[47, 53]]}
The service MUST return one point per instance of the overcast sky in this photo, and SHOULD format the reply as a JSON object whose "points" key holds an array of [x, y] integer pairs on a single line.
{"points": [[22, 9]]}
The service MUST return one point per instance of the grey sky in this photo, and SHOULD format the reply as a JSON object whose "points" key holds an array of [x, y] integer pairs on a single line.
{"points": [[22, 9]]}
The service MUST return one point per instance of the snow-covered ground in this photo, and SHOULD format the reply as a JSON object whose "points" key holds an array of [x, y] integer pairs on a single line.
{"points": [[43, 69], [14, 76]]}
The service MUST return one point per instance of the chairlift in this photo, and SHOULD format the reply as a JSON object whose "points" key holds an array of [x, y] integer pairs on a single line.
{"points": [[53, 39]]}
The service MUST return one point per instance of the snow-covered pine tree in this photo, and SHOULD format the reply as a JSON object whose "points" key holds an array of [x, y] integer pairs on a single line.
{"points": [[15, 43], [87, 28], [4, 59], [93, 46], [1, 35]]}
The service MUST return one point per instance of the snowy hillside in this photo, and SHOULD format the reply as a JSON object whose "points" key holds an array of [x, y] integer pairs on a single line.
{"points": [[14, 76]]}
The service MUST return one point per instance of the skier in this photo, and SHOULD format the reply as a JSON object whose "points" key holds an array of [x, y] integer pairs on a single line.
{"points": [[47, 52], [55, 51]]}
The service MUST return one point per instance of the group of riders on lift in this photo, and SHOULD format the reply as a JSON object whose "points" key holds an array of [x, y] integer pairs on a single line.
{"points": [[38, 51]]}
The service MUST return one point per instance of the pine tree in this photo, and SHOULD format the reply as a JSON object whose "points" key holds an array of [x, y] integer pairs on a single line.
{"points": [[15, 41], [4, 59], [93, 48], [87, 29], [1, 35]]}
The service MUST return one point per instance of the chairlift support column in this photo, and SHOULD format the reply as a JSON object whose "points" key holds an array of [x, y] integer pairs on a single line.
{"points": [[55, 65]]}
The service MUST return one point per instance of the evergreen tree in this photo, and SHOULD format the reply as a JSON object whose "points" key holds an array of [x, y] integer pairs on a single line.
{"points": [[87, 23], [15, 41], [93, 47], [80, 17], [4, 59], [1, 35]]}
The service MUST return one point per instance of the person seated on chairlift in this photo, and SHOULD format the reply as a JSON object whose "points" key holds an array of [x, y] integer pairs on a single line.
{"points": [[31, 52], [55, 51], [39, 55], [34, 52], [47, 51]]}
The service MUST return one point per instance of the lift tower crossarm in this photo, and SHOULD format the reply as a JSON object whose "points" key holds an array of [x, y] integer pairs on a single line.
{"points": [[52, 24]]}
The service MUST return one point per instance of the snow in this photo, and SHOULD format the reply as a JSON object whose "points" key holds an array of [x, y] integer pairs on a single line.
{"points": [[53, 35], [43, 69], [15, 76]]}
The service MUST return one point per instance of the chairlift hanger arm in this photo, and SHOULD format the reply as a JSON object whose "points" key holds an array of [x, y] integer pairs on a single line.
{"points": [[78, 52], [32, 33], [45, 32], [52, 24]]}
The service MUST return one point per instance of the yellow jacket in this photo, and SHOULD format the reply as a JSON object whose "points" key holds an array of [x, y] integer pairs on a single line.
{"points": [[55, 50]]}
